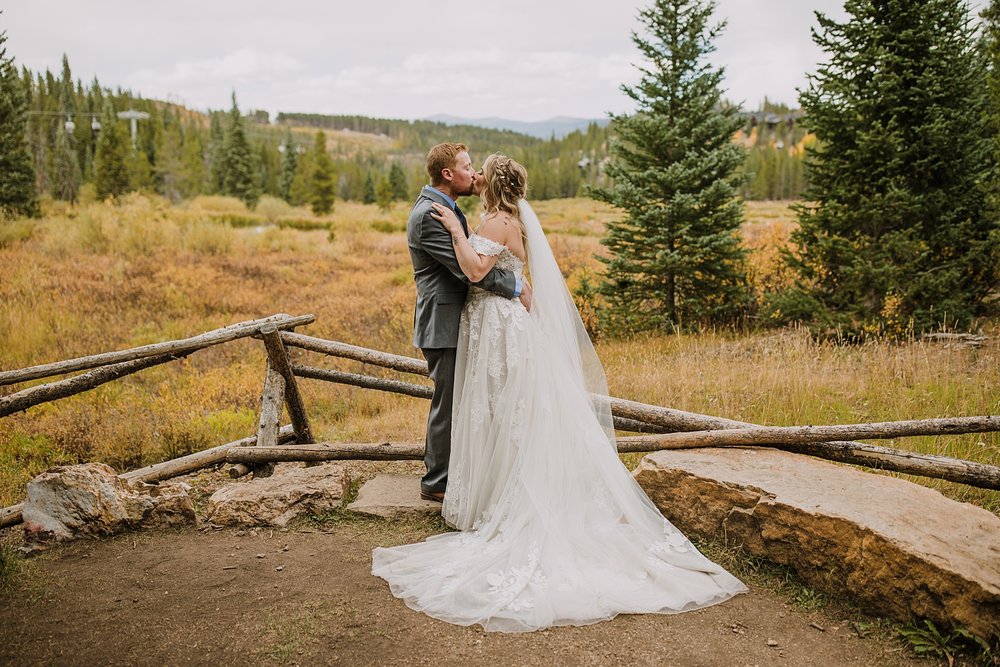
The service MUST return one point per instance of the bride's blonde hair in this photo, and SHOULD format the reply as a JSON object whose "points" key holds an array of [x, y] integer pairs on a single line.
{"points": [[506, 182]]}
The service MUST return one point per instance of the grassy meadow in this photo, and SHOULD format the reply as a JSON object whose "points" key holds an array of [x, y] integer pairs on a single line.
{"points": [[99, 277]]}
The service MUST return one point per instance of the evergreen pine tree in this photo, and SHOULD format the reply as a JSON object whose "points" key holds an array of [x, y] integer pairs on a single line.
{"points": [[397, 181], [111, 177], [322, 186], [991, 55], [383, 194], [369, 194], [897, 237], [216, 164], [193, 171], [65, 161], [237, 163], [140, 170], [289, 165], [170, 161], [17, 173], [675, 258]]}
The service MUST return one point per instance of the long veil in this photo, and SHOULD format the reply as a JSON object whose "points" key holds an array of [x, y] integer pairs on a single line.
{"points": [[555, 313]]}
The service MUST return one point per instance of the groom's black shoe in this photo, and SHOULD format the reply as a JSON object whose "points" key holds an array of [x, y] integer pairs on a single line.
{"points": [[434, 496]]}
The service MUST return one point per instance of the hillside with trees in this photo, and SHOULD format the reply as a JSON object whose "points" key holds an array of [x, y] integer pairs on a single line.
{"points": [[76, 138]]}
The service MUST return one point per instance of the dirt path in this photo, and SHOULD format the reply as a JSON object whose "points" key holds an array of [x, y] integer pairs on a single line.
{"points": [[307, 597]]}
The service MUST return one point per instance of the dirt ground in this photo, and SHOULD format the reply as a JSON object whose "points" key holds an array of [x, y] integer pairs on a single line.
{"points": [[306, 597]]}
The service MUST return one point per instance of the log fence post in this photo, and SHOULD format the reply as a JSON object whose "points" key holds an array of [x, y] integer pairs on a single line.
{"points": [[278, 357], [271, 400]]}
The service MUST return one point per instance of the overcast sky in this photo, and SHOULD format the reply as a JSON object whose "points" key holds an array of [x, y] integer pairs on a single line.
{"points": [[518, 59]]}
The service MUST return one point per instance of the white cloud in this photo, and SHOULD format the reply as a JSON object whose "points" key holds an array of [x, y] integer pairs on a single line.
{"points": [[523, 59]]}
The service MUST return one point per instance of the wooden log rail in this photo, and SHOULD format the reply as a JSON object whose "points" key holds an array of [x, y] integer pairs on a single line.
{"points": [[968, 472], [640, 417], [174, 347], [77, 384]]}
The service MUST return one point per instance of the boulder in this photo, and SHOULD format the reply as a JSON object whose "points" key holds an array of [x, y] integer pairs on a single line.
{"points": [[90, 500], [292, 491], [393, 497], [896, 547]]}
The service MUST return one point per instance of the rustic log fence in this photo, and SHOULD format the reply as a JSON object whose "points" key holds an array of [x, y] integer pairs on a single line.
{"points": [[665, 428]]}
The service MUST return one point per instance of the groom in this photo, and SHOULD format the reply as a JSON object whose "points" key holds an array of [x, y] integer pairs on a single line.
{"points": [[441, 293]]}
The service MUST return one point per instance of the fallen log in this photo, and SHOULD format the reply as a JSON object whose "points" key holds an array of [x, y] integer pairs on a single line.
{"points": [[51, 391], [185, 345]]}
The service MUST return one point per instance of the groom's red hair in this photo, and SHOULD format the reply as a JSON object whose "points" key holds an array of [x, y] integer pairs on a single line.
{"points": [[441, 157]]}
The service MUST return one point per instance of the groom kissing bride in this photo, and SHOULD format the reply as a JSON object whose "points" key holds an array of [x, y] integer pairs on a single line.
{"points": [[442, 289], [520, 448]]}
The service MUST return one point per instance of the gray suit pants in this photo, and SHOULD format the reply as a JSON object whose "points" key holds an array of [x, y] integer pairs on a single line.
{"points": [[437, 444]]}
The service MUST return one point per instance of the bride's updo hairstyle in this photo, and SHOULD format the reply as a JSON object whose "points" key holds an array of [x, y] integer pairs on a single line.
{"points": [[506, 182]]}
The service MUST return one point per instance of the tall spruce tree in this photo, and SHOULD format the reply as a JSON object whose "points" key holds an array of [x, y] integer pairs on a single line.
{"points": [[66, 173], [322, 187], [237, 165], [216, 163], [169, 157], [675, 258], [397, 180], [193, 172], [368, 197], [896, 237], [990, 45], [289, 166], [383, 194], [17, 184], [111, 176]]}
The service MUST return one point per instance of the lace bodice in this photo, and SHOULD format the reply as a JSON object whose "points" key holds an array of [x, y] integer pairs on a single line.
{"points": [[505, 258]]}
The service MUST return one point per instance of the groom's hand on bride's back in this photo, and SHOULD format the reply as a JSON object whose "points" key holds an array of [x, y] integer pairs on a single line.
{"points": [[525, 296]]}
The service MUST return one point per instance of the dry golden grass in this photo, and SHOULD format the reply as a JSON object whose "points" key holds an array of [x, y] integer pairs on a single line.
{"points": [[98, 277]]}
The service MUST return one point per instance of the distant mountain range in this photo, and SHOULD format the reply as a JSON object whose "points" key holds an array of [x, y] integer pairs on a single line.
{"points": [[559, 126]]}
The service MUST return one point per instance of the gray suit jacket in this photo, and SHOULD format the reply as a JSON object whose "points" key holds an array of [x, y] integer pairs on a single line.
{"points": [[441, 285]]}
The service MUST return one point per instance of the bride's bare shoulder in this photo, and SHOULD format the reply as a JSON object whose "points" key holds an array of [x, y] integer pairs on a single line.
{"points": [[498, 227]]}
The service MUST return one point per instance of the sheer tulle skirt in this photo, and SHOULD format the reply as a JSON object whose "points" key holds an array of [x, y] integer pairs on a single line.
{"points": [[554, 529]]}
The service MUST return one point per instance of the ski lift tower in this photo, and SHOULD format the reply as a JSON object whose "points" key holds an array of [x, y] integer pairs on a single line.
{"points": [[132, 116]]}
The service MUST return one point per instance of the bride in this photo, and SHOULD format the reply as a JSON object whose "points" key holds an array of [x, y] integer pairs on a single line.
{"points": [[554, 530]]}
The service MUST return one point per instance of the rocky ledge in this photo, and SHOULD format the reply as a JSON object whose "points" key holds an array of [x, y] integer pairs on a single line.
{"points": [[896, 547]]}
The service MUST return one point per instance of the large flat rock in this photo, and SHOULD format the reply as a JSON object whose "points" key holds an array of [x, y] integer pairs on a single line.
{"points": [[898, 548], [293, 490], [393, 497]]}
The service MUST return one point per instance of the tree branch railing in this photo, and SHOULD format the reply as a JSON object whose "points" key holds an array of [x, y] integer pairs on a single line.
{"points": [[666, 428], [679, 424], [173, 347]]}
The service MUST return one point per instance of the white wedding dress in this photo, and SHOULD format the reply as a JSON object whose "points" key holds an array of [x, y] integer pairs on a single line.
{"points": [[554, 529]]}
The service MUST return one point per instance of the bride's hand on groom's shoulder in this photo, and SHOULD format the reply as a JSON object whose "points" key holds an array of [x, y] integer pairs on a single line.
{"points": [[446, 217]]}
